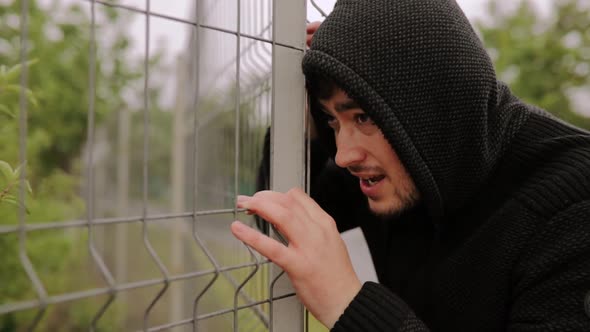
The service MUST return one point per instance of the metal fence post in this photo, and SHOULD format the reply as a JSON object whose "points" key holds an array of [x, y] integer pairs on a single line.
{"points": [[287, 136], [178, 190]]}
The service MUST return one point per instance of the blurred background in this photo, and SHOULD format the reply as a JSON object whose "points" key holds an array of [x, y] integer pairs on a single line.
{"points": [[137, 144]]}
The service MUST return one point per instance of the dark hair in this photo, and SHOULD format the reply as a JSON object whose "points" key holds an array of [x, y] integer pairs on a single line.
{"points": [[320, 87]]}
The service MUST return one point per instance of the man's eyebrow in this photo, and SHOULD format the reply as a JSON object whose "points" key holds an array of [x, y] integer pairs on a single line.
{"points": [[324, 110], [342, 107], [346, 106]]}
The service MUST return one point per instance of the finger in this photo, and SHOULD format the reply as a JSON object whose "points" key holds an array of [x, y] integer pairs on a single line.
{"points": [[291, 221], [312, 27], [266, 246], [275, 196], [285, 200]]}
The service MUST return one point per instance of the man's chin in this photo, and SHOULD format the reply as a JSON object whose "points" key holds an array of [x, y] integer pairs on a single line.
{"points": [[382, 210], [387, 215]]}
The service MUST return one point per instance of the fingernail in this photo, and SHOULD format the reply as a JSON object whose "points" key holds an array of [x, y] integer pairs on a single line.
{"points": [[242, 198], [238, 227]]}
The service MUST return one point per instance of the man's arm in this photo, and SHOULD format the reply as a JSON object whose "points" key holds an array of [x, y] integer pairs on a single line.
{"points": [[553, 279], [551, 287], [374, 309]]}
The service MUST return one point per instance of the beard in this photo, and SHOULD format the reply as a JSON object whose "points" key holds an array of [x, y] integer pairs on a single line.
{"points": [[404, 203]]}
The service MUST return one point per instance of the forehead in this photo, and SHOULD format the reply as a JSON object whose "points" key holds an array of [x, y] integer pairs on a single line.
{"points": [[338, 95], [339, 102]]}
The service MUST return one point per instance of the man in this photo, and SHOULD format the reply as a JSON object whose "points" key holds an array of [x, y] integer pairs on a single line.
{"points": [[475, 205]]}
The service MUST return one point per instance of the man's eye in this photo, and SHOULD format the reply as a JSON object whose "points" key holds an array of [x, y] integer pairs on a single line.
{"points": [[331, 121], [363, 119]]}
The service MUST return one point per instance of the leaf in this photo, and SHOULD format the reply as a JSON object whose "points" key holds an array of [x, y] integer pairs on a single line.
{"points": [[15, 203], [31, 98], [12, 197], [7, 171], [14, 72], [10, 201], [6, 111], [11, 87], [17, 170]]}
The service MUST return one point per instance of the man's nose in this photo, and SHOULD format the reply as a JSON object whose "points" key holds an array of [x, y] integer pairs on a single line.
{"points": [[348, 150]]}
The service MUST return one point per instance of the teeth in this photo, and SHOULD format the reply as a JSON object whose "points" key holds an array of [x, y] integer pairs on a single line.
{"points": [[371, 181]]}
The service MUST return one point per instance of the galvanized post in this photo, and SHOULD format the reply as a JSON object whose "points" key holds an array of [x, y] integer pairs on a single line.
{"points": [[287, 137]]}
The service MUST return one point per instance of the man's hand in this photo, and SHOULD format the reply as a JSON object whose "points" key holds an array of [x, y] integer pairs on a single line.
{"points": [[316, 260], [311, 29]]}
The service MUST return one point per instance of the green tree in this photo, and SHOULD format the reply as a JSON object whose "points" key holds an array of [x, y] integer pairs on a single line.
{"points": [[61, 78], [9, 177], [59, 40], [542, 59]]}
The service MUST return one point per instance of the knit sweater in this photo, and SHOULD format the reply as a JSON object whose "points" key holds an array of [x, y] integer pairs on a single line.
{"points": [[501, 239]]}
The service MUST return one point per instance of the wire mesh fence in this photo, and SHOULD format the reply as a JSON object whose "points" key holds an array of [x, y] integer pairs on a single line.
{"points": [[164, 138], [128, 129]]}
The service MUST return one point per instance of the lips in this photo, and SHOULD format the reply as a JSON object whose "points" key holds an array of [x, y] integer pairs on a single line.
{"points": [[371, 185], [371, 181]]}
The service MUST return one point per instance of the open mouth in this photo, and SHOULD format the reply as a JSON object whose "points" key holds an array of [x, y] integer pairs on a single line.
{"points": [[369, 182]]}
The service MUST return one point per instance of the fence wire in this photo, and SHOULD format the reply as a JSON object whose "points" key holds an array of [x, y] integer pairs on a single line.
{"points": [[213, 85]]}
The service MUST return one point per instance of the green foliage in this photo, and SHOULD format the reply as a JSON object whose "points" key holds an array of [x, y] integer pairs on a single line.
{"points": [[61, 80], [542, 59], [10, 183], [57, 107], [10, 91]]}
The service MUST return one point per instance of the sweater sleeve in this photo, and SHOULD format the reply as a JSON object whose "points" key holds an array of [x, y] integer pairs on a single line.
{"points": [[375, 308], [552, 282]]}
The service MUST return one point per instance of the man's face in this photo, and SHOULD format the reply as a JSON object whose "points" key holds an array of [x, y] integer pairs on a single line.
{"points": [[364, 151]]}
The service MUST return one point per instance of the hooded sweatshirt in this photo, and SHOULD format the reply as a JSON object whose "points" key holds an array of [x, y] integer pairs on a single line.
{"points": [[501, 238]]}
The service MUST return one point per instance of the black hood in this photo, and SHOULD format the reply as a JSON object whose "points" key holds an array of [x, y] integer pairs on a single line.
{"points": [[422, 74]]}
